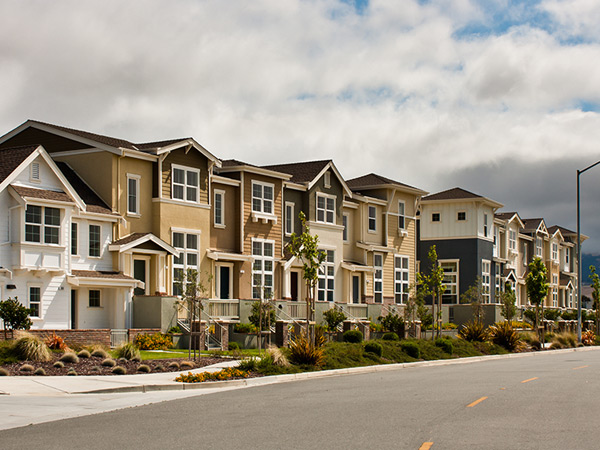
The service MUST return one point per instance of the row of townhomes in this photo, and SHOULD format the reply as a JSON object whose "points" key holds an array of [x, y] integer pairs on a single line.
{"points": [[95, 233]]}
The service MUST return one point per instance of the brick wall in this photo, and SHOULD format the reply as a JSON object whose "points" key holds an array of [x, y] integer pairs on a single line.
{"points": [[81, 337]]}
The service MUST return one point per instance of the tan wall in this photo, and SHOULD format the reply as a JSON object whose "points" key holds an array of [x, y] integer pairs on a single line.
{"points": [[226, 239], [193, 159], [135, 223]]}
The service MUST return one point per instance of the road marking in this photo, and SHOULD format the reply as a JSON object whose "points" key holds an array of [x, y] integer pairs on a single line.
{"points": [[529, 379], [426, 446], [580, 367], [476, 402]]}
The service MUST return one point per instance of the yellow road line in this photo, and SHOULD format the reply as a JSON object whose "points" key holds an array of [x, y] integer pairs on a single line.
{"points": [[476, 402], [426, 446], [580, 367], [529, 379]]}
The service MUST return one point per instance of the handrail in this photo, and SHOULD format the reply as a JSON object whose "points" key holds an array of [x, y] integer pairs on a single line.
{"points": [[347, 313], [288, 317]]}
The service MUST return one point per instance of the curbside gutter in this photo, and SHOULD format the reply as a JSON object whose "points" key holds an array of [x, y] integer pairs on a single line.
{"points": [[274, 379]]}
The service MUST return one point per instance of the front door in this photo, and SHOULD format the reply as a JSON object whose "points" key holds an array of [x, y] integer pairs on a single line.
{"points": [[294, 286], [355, 289], [139, 273], [224, 283], [73, 309]]}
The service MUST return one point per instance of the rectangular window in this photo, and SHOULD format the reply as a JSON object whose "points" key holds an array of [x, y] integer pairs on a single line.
{"points": [[133, 194], [325, 288], [94, 239], [554, 251], [401, 216], [498, 278], [567, 255], [187, 244], [435, 217], [462, 215], [289, 218], [262, 197], [35, 301], [345, 224], [74, 243], [485, 280], [538, 247], [34, 223], [450, 281], [325, 209], [485, 225], [372, 218], [378, 278], [401, 289], [525, 254], [185, 182], [94, 298], [512, 240], [219, 209], [262, 269]]}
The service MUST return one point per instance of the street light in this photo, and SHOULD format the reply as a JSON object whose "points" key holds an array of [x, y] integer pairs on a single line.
{"points": [[579, 172]]}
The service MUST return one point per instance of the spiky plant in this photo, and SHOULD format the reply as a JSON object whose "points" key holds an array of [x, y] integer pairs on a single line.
{"points": [[144, 368], [40, 371], [474, 331], [173, 365], [99, 352], [503, 334], [30, 348], [70, 358], [564, 340], [72, 372], [302, 351], [108, 362], [186, 365], [59, 364], [119, 370], [248, 364], [128, 351], [278, 357], [55, 342], [588, 337], [84, 353], [26, 368], [532, 339], [3, 372]]}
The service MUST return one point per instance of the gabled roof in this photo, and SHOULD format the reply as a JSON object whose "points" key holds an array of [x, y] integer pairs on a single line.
{"points": [[234, 165], [93, 203], [534, 225], [566, 233], [309, 172], [509, 217], [44, 194], [459, 194], [135, 239], [374, 181], [12, 158]]}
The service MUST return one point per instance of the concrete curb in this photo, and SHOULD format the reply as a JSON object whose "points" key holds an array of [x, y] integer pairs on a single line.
{"points": [[274, 379]]}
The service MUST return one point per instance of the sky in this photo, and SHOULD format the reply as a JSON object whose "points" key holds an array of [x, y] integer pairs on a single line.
{"points": [[499, 97]]}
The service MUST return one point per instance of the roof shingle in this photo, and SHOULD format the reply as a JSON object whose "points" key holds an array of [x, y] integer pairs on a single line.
{"points": [[12, 157], [452, 194], [301, 172], [372, 179]]}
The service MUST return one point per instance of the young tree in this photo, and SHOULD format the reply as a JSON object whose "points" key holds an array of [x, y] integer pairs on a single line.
{"points": [[193, 292], [596, 295], [537, 286], [333, 317], [14, 315], [508, 300], [305, 247], [474, 297], [432, 285]]}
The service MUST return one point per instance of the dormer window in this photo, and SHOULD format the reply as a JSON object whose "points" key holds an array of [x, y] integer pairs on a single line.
{"points": [[325, 209], [185, 183], [35, 172]]}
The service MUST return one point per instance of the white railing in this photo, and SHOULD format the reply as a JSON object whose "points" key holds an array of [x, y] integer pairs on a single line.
{"points": [[297, 310], [118, 337], [358, 311], [222, 309]]}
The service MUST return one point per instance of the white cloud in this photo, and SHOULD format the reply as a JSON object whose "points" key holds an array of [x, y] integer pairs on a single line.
{"points": [[577, 18]]}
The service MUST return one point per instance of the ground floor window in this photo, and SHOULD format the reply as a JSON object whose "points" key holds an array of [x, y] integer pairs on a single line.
{"points": [[35, 301], [326, 286], [450, 282], [485, 280], [94, 298], [401, 279], [378, 278], [262, 269]]}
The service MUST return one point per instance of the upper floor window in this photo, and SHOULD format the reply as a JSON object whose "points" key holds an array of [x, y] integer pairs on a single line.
{"points": [[289, 218], [326, 284], [94, 240], [538, 247], [133, 194], [185, 183], [512, 240], [554, 251], [401, 273], [38, 218], [262, 197], [462, 215], [74, 240], [262, 268], [567, 255], [401, 216], [219, 208], [435, 217], [372, 218], [485, 225], [325, 209], [345, 223], [525, 254]]}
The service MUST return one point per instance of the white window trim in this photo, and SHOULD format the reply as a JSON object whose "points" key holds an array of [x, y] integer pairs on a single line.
{"points": [[138, 183], [35, 285], [263, 272], [185, 185], [376, 279], [222, 194], [512, 243], [261, 214], [369, 229], [327, 180], [402, 215], [99, 299], [401, 282], [486, 277], [183, 253], [539, 250], [42, 225], [457, 216], [290, 217], [323, 274], [90, 241], [325, 210], [346, 231], [457, 282], [76, 240], [554, 253]]}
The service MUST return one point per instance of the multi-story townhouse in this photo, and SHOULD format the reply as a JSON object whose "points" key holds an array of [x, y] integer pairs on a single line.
{"points": [[380, 244], [567, 258], [54, 253], [460, 224], [510, 255]]}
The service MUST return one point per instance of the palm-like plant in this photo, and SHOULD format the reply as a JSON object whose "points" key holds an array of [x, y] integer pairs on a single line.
{"points": [[503, 334], [474, 331]]}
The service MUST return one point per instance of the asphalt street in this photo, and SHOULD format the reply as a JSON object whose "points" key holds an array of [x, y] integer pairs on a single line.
{"points": [[546, 401]]}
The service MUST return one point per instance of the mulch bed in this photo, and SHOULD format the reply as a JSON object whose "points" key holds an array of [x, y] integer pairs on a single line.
{"points": [[93, 366]]}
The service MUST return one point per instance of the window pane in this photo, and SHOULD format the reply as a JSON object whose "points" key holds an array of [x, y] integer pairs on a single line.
{"points": [[329, 216], [192, 194], [178, 192], [51, 235], [257, 248], [33, 214], [330, 204], [268, 249], [178, 240], [268, 266], [192, 259], [192, 241], [52, 216], [256, 204], [192, 178], [268, 206], [32, 233], [268, 192], [257, 190], [178, 176]]}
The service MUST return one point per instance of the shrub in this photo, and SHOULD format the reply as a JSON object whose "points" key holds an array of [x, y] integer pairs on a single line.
{"points": [[173, 365], [374, 347], [411, 349], [72, 372], [55, 342], [119, 370], [244, 328], [519, 324], [59, 364], [302, 350], [532, 339], [26, 368], [159, 368], [376, 327], [99, 353], [334, 317], [225, 374], [69, 357], [14, 315], [588, 337], [353, 336], [40, 371], [96, 369], [175, 330], [233, 346], [186, 365], [109, 362], [267, 316], [569, 315], [83, 353], [473, 331], [3, 372], [530, 315], [564, 340], [277, 356], [503, 334], [248, 365], [390, 337], [128, 351], [449, 326], [393, 323], [144, 368], [445, 344], [30, 348], [156, 341], [551, 314]]}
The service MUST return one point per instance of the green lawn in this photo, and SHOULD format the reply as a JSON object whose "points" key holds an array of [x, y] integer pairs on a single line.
{"points": [[178, 353]]}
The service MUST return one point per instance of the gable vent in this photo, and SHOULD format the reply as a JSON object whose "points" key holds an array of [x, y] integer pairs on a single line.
{"points": [[35, 171]]}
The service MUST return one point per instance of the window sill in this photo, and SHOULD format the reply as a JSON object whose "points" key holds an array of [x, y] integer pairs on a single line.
{"points": [[264, 217], [402, 232], [134, 215], [218, 225]]}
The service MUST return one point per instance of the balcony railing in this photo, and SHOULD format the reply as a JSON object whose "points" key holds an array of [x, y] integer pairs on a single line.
{"points": [[222, 309]]}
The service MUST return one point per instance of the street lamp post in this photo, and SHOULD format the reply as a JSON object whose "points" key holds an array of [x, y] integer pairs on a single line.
{"points": [[579, 172]]}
